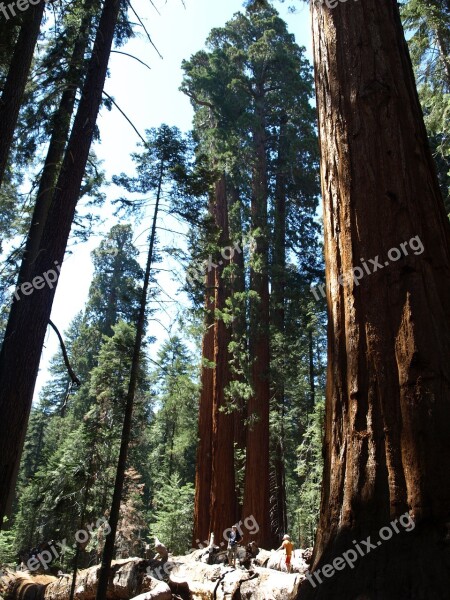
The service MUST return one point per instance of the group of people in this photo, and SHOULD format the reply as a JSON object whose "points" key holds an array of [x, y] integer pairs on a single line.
{"points": [[235, 537]]}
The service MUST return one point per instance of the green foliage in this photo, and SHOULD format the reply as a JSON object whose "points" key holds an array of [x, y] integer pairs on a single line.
{"points": [[310, 467], [173, 432], [173, 517], [7, 553]]}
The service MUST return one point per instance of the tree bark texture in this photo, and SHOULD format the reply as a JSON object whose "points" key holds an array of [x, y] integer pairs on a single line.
{"points": [[55, 154], [239, 334], [203, 471], [29, 316], [387, 440]]}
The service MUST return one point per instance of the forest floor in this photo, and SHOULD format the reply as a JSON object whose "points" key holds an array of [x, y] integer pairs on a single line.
{"points": [[187, 577]]}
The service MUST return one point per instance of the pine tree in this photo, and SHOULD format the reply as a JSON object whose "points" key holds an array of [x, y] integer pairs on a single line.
{"points": [[173, 515]]}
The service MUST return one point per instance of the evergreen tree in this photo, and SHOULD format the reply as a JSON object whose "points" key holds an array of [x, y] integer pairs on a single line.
{"points": [[173, 515], [175, 402], [251, 92]]}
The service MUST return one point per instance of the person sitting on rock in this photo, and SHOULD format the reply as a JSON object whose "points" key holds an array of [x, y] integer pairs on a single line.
{"points": [[233, 539], [288, 546]]}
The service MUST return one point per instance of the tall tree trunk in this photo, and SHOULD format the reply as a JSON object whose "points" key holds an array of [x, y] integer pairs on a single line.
{"points": [[223, 505], [278, 493], [203, 470], [55, 153], [58, 141], [16, 81], [257, 479], [108, 551], [29, 316], [387, 449]]}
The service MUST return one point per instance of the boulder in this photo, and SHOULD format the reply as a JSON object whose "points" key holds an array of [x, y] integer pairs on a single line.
{"points": [[277, 561], [199, 581]]}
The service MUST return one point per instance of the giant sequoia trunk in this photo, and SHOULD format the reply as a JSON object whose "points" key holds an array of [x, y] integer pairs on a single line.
{"points": [[203, 469], [387, 440], [19, 69], [257, 481], [223, 494], [29, 316], [215, 495]]}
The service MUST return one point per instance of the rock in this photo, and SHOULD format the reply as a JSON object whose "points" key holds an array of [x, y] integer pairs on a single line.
{"points": [[161, 549], [271, 585], [160, 591], [277, 561], [262, 558], [198, 581]]}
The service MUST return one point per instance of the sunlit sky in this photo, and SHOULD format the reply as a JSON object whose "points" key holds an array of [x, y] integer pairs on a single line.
{"points": [[149, 98]]}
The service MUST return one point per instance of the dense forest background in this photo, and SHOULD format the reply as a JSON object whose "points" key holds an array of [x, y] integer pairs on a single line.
{"points": [[243, 186]]}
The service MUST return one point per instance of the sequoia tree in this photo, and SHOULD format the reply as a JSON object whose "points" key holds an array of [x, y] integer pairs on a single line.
{"points": [[387, 251]]}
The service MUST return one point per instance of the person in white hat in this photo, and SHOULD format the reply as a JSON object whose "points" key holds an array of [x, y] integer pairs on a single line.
{"points": [[288, 546]]}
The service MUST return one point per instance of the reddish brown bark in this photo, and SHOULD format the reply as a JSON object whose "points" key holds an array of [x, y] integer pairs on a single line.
{"points": [[223, 494], [257, 481], [204, 449], [387, 442]]}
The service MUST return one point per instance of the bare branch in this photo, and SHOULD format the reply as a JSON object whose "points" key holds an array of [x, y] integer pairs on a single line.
{"points": [[71, 372], [144, 28], [123, 114], [132, 56]]}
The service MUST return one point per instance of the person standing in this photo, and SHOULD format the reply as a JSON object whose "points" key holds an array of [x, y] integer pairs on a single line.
{"points": [[288, 546], [233, 539]]}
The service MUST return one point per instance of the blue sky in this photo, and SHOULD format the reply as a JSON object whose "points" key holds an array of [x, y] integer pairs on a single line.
{"points": [[149, 98]]}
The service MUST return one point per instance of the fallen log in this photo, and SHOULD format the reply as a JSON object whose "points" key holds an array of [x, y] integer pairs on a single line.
{"points": [[22, 586], [129, 578]]}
